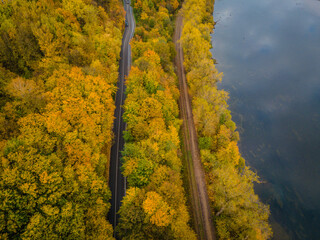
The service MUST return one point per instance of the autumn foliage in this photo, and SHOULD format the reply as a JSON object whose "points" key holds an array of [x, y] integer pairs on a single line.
{"points": [[58, 69], [238, 213], [155, 205]]}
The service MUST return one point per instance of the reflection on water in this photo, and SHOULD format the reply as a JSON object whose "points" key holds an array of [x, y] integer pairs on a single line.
{"points": [[269, 51]]}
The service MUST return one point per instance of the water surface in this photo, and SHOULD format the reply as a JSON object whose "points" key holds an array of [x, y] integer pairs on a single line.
{"points": [[269, 51]]}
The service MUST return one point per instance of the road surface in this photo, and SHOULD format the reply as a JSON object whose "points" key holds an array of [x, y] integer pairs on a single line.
{"points": [[198, 191], [117, 182]]}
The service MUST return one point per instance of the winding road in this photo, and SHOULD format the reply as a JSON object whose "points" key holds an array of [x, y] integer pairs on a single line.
{"points": [[117, 181]]}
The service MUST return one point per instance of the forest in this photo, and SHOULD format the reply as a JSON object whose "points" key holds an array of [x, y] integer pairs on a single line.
{"points": [[58, 69], [58, 72], [155, 204]]}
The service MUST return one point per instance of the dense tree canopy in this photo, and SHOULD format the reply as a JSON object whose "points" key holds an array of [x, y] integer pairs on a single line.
{"points": [[58, 69], [155, 204]]}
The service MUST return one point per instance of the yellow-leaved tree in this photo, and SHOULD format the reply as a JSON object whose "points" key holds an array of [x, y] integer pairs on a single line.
{"points": [[238, 212]]}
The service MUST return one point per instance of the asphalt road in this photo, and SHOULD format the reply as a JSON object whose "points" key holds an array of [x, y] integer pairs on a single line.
{"points": [[117, 181]]}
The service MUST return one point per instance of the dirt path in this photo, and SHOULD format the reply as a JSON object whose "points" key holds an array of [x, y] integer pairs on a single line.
{"points": [[198, 191]]}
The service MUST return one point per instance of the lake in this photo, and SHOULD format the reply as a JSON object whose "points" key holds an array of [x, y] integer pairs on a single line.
{"points": [[269, 52]]}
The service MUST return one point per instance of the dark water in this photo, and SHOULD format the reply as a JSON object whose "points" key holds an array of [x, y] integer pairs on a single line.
{"points": [[269, 51]]}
